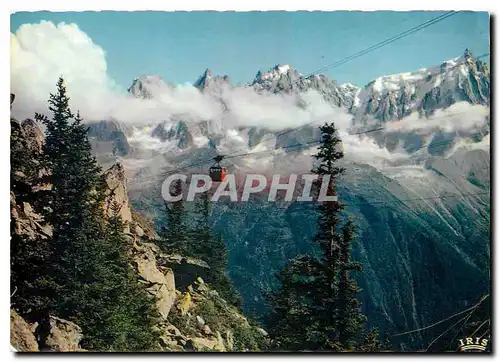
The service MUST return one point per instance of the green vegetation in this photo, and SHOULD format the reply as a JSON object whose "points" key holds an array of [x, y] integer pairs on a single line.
{"points": [[82, 271], [316, 307], [240, 334]]}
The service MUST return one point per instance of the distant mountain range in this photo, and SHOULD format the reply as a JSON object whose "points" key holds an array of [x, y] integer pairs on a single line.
{"points": [[387, 98]]}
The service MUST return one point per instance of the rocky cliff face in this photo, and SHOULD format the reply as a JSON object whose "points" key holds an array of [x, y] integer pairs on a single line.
{"points": [[215, 85], [174, 131], [386, 98], [22, 338], [117, 192]]}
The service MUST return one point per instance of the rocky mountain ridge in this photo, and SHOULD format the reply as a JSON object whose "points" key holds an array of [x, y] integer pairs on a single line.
{"points": [[387, 98]]}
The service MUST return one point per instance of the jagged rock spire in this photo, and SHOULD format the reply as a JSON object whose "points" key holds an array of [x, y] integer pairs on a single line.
{"points": [[202, 81], [467, 54], [207, 80]]}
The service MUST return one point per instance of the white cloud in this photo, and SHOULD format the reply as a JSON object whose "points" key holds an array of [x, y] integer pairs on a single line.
{"points": [[248, 108], [460, 116], [364, 149], [40, 53]]}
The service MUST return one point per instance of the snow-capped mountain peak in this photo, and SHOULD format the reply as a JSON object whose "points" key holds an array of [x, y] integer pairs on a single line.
{"points": [[348, 86], [395, 96], [148, 86], [274, 73]]}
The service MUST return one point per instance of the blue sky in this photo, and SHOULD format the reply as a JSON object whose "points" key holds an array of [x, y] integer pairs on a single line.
{"points": [[179, 46]]}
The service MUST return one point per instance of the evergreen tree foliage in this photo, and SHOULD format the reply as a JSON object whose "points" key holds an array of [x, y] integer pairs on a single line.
{"points": [[174, 236], [372, 343], [218, 277], [350, 320], [316, 307], [200, 233], [188, 233], [211, 249], [87, 276], [291, 305], [124, 315]]}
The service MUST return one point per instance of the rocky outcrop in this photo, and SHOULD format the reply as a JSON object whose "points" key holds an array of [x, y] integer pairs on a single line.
{"points": [[214, 86], [284, 79], [117, 193], [148, 87], [28, 223], [26, 140], [175, 281], [22, 338], [159, 280], [215, 344], [392, 97], [62, 336], [206, 322], [174, 130], [186, 270], [142, 226], [184, 304], [197, 319], [33, 135], [57, 335]]}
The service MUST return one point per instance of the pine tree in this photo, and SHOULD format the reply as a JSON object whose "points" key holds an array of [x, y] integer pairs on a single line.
{"points": [[291, 306], [350, 319], [126, 316], [211, 249], [88, 279], [200, 233], [174, 236], [217, 258], [371, 342], [317, 295]]}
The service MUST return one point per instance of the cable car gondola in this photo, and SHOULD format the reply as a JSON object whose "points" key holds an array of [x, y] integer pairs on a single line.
{"points": [[217, 172]]}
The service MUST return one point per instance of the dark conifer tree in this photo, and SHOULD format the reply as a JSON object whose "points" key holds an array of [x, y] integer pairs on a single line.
{"points": [[88, 279], [289, 323], [188, 233], [174, 235], [350, 319], [211, 249], [317, 295]]}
